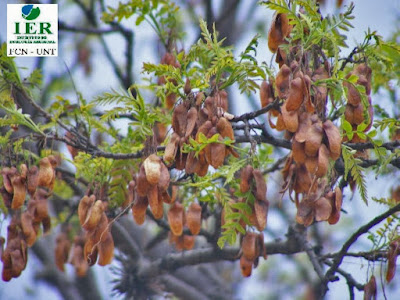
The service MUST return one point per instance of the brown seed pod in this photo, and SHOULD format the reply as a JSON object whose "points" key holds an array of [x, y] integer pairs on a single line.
{"points": [[152, 197], [370, 289], [224, 128], [313, 140], [164, 179], [311, 164], [106, 250], [302, 180], [33, 179], [46, 173], [249, 246], [246, 266], [246, 176], [296, 94], [187, 88], [172, 148], [77, 258], [27, 228], [203, 165], [304, 126], [191, 121], [358, 114], [19, 192], [305, 213], [349, 113], [42, 207], [179, 119], [8, 173], [282, 82], [217, 154], [298, 153], [394, 251], [158, 214], [323, 161], [278, 31], [46, 223], [94, 215], [193, 218], [353, 95], [336, 206], [334, 139], [260, 187], [164, 196], [90, 250], [61, 250], [175, 218], [139, 209], [323, 209], [170, 100], [152, 168], [188, 241], [290, 118], [84, 205], [261, 213], [142, 185], [266, 94]]}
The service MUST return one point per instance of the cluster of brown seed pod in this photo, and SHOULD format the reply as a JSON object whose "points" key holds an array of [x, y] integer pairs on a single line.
{"points": [[320, 205], [150, 187], [191, 119], [99, 242], [356, 112], [25, 226], [178, 219], [315, 140], [15, 254], [252, 247]]}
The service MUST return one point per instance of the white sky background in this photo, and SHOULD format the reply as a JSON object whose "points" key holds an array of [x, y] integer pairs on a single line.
{"points": [[377, 15]]}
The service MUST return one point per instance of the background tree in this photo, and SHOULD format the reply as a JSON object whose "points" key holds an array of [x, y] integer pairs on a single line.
{"points": [[197, 189]]}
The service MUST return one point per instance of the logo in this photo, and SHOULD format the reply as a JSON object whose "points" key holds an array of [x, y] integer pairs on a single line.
{"points": [[29, 12], [32, 30]]}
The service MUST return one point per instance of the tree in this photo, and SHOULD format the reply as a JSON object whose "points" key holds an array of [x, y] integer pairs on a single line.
{"points": [[184, 189]]}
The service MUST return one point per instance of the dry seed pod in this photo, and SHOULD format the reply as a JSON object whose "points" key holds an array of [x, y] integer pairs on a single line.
{"points": [[224, 128], [152, 168], [245, 178], [279, 30], [394, 251], [282, 82], [304, 126], [191, 121], [261, 212], [358, 114], [139, 209], [33, 179], [290, 118], [152, 197], [19, 192], [27, 228], [158, 214], [77, 258], [311, 164], [296, 94], [179, 119], [246, 266], [46, 173], [7, 197], [61, 251], [7, 174], [106, 250], [193, 218], [260, 187], [203, 165], [170, 100], [143, 185], [323, 209], [370, 289], [172, 148], [266, 94], [175, 218], [349, 113], [187, 88], [83, 207], [46, 223], [305, 213], [94, 215], [42, 207], [217, 153], [249, 246], [298, 153], [313, 140], [336, 206], [334, 139], [164, 179], [323, 161], [90, 251]]}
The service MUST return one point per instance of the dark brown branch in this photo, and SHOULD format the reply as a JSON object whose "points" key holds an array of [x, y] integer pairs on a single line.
{"points": [[255, 114], [84, 30], [370, 256], [353, 238]]}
